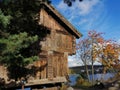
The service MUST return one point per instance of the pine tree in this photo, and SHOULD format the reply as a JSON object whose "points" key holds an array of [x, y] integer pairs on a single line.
{"points": [[20, 34]]}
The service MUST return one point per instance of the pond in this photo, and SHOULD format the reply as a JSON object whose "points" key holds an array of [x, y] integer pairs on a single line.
{"points": [[24, 89], [106, 76]]}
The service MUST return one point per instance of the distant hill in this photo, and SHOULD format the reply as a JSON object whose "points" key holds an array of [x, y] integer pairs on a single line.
{"points": [[81, 69]]}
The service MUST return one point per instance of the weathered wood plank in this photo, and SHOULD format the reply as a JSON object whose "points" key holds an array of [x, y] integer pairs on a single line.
{"points": [[63, 39], [43, 69], [46, 81], [50, 63]]}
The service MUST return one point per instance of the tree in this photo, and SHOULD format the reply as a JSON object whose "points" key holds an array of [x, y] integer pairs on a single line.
{"points": [[20, 34], [69, 2], [83, 52], [96, 48], [87, 50], [109, 55]]}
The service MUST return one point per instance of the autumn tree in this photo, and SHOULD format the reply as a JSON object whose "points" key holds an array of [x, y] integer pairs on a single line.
{"points": [[109, 55], [83, 53], [96, 48], [87, 50]]}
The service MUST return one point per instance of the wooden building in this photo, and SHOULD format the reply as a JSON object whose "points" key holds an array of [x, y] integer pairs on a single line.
{"points": [[52, 68]]}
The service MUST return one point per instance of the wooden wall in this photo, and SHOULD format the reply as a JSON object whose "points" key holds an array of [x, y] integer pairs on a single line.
{"points": [[55, 65], [56, 47], [59, 39]]}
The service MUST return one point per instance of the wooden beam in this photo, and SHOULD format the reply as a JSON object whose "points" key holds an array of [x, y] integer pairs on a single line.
{"points": [[46, 81]]}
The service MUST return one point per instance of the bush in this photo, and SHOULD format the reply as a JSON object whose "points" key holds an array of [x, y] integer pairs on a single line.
{"points": [[81, 82]]}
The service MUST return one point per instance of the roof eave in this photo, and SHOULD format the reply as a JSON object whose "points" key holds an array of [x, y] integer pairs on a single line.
{"points": [[63, 20]]}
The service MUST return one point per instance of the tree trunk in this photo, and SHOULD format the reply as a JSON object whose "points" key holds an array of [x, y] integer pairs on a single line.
{"points": [[92, 64], [92, 73], [87, 72]]}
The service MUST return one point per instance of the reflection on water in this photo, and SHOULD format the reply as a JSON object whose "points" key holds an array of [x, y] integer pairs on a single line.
{"points": [[102, 76], [106, 76], [73, 78]]}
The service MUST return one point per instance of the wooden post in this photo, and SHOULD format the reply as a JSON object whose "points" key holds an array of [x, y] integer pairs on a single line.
{"points": [[50, 67], [38, 64], [43, 68], [65, 63]]}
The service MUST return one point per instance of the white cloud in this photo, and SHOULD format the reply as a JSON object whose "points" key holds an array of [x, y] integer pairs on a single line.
{"points": [[83, 14], [97, 63], [81, 8], [118, 41], [86, 6], [72, 61], [83, 21], [62, 6]]}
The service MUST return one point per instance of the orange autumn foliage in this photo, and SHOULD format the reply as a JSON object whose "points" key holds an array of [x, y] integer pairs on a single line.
{"points": [[110, 56], [106, 52]]}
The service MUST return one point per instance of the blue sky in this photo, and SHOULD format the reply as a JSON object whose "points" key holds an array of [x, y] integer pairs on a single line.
{"points": [[100, 15]]}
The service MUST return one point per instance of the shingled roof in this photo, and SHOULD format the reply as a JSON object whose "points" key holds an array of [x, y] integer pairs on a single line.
{"points": [[65, 23]]}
